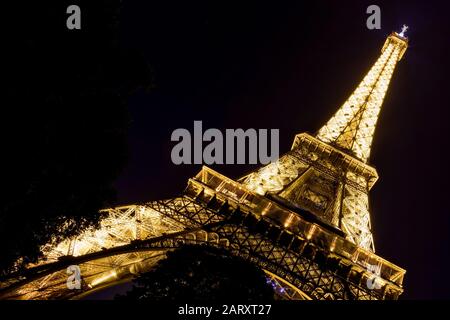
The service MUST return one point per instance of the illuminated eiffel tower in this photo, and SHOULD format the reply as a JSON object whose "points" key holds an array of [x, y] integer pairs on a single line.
{"points": [[303, 219]]}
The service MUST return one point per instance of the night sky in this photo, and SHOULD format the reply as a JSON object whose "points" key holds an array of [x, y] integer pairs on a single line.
{"points": [[290, 65]]}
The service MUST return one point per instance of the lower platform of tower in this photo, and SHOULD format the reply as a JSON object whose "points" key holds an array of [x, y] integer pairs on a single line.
{"points": [[304, 259]]}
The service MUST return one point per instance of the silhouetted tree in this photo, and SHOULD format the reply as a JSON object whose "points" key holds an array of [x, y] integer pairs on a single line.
{"points": [[64, 121], [195, 273]]}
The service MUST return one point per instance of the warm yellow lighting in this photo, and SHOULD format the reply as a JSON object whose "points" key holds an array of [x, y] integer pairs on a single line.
{"points": [[288, 220], [353, 125], [333, 245], [301, 175], [266, 209], [112, 275], [311, 232]]}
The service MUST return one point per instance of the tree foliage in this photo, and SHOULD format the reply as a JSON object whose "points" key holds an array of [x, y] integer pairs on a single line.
{"points": [[197, 273], [64, 121]]}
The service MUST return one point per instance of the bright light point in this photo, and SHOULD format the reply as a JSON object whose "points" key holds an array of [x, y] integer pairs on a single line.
{"points": [[404, 29], [112, 275]]}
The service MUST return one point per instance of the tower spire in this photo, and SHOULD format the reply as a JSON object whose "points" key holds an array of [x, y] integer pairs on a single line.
{"points": [[328, 175], [404, 29], [352, 127]]}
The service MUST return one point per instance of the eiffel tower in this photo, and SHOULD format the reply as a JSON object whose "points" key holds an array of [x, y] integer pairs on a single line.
{"points": [[303, 219]]}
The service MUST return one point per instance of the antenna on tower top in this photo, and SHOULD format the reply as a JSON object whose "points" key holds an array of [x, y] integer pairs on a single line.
{"points": [[404, 29]]}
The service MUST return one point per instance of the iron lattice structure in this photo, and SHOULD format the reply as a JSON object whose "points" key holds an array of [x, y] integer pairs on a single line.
{"points": [[303, 219]]}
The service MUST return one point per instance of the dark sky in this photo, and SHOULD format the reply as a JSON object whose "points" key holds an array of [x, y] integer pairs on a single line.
{"points": [[290, 65]]}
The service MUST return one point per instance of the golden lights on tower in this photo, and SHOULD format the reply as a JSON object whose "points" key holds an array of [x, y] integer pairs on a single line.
{"points": [[353, 125], [312, 177], [315, 196]]}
